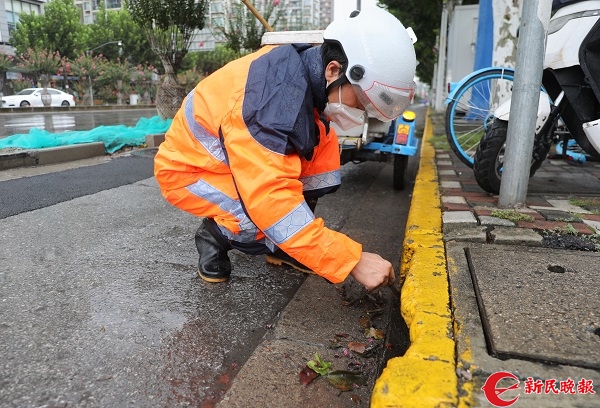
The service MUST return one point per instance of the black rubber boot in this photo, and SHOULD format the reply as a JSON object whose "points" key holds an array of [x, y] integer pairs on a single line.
{"points": [[279, 258], [214, 264]]}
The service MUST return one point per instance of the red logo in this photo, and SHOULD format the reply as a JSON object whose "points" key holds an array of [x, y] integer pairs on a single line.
{"points": [[493, 392]]}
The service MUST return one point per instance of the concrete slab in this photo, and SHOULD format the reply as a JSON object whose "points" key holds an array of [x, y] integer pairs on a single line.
{"points": [[475, 364], [539, 305]]}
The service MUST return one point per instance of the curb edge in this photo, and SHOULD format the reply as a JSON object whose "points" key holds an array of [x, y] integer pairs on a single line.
{"points": [[426, 374]]}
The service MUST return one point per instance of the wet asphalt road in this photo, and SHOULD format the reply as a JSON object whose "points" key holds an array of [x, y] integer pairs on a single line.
{"points": [[57, 122], [99, 302]]}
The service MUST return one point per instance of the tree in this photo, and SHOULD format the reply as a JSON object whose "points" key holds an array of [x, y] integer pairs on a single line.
{"points": [[169, 26], [424, 16], [58, 29], [114, 25], [41, 64], [117, 76], [243, 31], [6, 62], [207, 62], [87, 68]]}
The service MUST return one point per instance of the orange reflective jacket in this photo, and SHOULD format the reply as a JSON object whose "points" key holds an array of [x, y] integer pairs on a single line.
{"points": [[246, 148]]}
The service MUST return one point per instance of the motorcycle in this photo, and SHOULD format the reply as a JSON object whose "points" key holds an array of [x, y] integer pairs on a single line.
{"points": [[569, 105]]}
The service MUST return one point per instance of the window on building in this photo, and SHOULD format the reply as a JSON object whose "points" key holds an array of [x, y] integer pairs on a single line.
{"points": [[218, 22], [216, 7], [113, 4]]}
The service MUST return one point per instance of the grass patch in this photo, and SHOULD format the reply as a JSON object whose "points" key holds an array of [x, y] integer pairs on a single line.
{"points": [[590, 204], [512, 215], [440, 142]]}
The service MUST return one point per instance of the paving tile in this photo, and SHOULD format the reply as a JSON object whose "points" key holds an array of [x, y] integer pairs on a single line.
{"points": [[594, 224], [444, 163], [489, 220], [466, 234], [455, 207], [447, 172], [453, 200], [450, 184], [515, 236], [554, 215], [591, 217], [483, 212], [454, 219], [564, 205], [581, 228]]}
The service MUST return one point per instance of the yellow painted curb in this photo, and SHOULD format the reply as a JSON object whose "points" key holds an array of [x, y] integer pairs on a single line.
{"points": [[426, 375]]}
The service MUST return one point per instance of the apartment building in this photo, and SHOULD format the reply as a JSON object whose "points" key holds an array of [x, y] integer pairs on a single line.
{"points": [[295, 15], [9, 16]]}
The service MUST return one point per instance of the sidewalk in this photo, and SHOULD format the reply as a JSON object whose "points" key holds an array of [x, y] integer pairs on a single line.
{"points": [[487, 291]]}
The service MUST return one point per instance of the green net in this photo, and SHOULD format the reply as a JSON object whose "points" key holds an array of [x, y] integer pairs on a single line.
{"points": [[114, 137]]}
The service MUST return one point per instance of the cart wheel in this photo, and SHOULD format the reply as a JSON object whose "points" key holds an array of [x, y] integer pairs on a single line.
{"points": [[400, 166]]}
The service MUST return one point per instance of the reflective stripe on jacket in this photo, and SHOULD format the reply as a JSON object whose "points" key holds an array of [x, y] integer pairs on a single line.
{"points": [[248, 145]]}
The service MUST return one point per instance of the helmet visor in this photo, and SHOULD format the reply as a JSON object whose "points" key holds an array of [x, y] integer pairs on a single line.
{"points": [[385, 102]]}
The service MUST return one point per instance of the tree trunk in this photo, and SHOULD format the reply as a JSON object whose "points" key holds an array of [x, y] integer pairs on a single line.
{"points": [[169, 97], [119, 92], [46, 97]]}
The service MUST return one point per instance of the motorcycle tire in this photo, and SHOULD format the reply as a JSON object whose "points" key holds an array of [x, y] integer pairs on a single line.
{"points": [[489, 158]]}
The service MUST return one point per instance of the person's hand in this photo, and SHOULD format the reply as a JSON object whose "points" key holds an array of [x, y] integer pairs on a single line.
{"points": [[372, 271]]}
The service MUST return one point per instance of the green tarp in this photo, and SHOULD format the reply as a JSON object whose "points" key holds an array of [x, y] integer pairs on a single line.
{"points": [[114, 137]]}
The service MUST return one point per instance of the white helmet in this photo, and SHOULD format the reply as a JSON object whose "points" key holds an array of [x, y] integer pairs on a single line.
{"points": [[381, 60]]}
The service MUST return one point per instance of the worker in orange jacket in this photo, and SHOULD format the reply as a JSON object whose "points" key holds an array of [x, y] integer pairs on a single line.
{"points": [[251, 149]]}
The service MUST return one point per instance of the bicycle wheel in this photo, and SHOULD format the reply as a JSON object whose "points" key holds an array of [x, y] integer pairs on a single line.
{"points": [[470, 109]]}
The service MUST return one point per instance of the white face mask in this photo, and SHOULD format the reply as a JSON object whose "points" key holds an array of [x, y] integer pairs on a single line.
{"points": [[344, 116]]}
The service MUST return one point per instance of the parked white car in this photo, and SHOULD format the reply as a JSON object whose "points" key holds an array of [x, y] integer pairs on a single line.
{"points": [[33, 97]]}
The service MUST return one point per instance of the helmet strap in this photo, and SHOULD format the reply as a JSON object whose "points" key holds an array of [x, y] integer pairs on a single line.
{"points": [[338, 82]]}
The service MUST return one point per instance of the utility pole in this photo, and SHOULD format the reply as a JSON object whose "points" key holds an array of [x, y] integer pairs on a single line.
{"points": [[440, 83], [523, 110]]}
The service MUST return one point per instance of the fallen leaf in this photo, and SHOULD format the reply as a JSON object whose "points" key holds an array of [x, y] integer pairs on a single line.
{"points": [[357, 347], [375, 333], [365, 321], [318, 365], [307, 375], [345, 380]]}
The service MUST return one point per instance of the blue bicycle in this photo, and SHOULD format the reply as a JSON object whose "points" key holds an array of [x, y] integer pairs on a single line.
{"points": [[470, 108]]}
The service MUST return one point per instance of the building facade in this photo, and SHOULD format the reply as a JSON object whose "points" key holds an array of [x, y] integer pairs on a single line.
{"points": [[296, 15], [10, 10]]}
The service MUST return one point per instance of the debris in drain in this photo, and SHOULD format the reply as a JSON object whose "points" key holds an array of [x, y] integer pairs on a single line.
{"points": [[556, 269], [573, 242], [307, 375], [345, 380]]}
